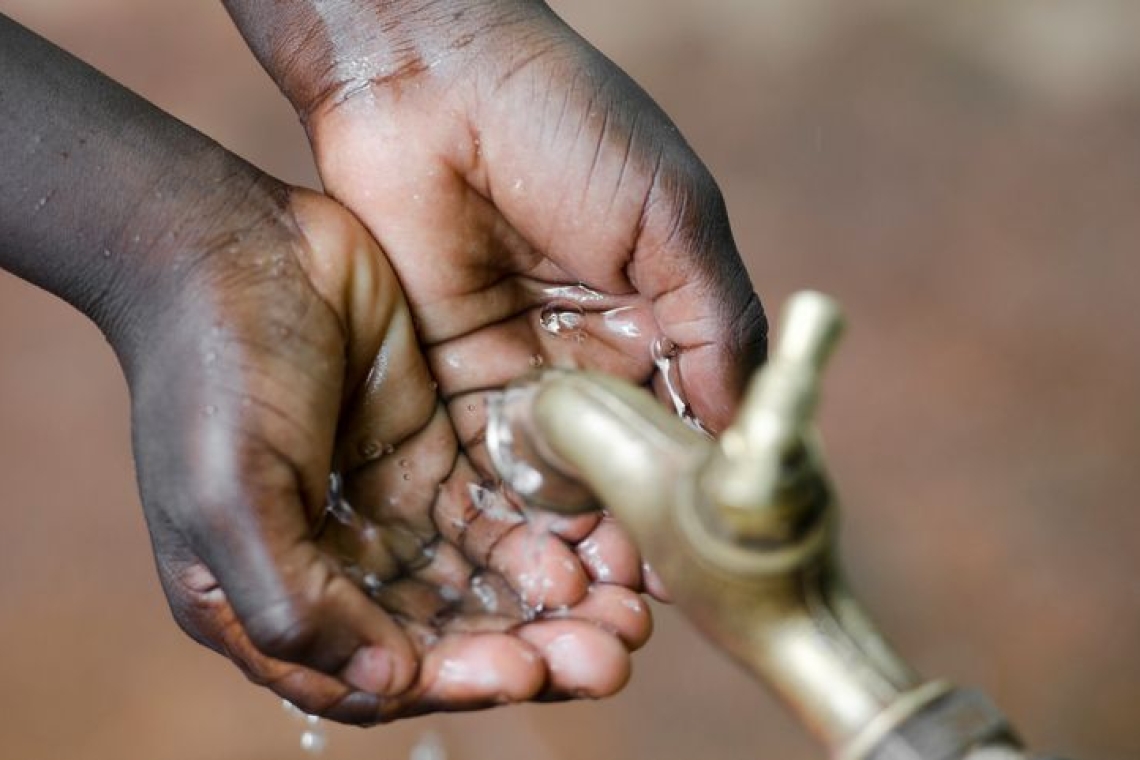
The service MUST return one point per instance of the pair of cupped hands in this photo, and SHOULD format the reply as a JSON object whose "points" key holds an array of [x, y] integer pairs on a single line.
{"points": [[486, 163]]}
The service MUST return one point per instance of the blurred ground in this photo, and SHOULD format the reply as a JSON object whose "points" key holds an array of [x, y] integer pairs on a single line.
{"points": [[963, 176]]}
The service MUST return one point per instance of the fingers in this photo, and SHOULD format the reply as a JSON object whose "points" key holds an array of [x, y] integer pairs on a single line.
{"points": [[615, 609], [294, 606], [581, 659], [606, 555], [203, 611]]}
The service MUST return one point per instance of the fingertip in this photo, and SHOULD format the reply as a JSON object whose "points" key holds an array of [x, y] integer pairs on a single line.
{"points": [[653, 584], [582, 659], [482, 670], [617, 610], [541, 569], [609, 555]]}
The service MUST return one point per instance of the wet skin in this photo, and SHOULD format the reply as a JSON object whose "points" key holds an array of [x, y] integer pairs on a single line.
{"points": [[266, 341], [508, 169], [263, 333]]}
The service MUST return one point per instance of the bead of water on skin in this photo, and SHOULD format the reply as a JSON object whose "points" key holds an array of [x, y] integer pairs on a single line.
{"points": [[370, 449], [372, 583], [536, 361], [485, 594], [493, 505], [592, 556], [663, 349], [563, 319], [403, 463]]}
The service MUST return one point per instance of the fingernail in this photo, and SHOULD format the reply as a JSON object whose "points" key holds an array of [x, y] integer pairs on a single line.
{"points": [[370, 670]]}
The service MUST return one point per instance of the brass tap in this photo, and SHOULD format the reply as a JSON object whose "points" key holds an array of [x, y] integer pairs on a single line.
{"points": [[742, 531]]}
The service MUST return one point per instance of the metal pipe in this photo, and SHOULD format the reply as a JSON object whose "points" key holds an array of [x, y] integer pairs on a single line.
{"points": [[742, 531]]}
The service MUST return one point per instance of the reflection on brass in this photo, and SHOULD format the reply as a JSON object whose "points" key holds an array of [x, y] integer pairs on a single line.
{"points": [[742, 531]]}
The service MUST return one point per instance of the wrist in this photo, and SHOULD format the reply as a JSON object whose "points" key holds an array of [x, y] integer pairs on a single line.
{"points": [[322, 53]]}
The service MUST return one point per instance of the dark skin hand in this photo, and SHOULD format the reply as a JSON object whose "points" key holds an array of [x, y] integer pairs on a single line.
{"points": [[516, 179], [266, 341], [503, 164]]}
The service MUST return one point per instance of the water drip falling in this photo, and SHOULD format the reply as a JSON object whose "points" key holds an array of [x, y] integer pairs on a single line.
{"points": [[429, 747], [664, 354], [314, 740]]}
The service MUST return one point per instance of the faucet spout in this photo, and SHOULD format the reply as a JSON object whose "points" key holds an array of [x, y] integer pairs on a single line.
{"points": [[742, 532]]}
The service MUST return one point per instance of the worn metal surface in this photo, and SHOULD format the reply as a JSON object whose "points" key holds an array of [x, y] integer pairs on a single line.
{"points": [[743, 532]]}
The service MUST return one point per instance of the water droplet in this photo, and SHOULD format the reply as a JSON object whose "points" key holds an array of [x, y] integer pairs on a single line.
{"points": [[633, 605], [429, 747], [470, 407], [342, 512], [562, 319], [370, 449], [493, 505], [486, 595], [314, 742], [388, 448], [433, 386], [41, 203], [372, 583], [537, 361], [407, 476], [403, 463], [591, 555], [313, 736], [106, 253], [335, 503], [662, 350]]}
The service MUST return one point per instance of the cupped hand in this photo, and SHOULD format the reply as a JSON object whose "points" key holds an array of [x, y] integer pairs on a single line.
{"points": [[537, 206], [408, 582]]}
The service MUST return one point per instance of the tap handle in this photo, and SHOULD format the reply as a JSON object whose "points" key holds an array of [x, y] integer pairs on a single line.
{"points": [[757, 477]]}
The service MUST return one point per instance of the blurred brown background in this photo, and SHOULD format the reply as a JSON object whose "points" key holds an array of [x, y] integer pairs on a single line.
{"points": [[964, 176]]}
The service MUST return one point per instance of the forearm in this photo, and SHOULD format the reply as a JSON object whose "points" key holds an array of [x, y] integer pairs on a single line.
{"points": [[102, 195], [319, 51]]}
